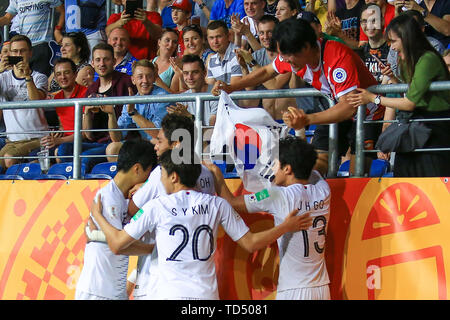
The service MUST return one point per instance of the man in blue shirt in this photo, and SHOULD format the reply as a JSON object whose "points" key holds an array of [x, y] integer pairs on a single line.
{"points": [[119, 39], [139, 115]]}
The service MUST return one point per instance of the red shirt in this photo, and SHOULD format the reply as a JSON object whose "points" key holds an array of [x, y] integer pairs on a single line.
{"points": [[388, 16], [142, 44], [341, 72], [66, 115], [180, 44]]}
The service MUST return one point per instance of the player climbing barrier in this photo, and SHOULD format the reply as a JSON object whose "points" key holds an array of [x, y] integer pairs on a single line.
{"points": [[386, 239]]}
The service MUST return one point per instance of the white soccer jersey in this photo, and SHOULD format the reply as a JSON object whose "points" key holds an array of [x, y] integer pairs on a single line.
{"points": [[302, 262], [186, 225], [147, 264], [104, 273]]}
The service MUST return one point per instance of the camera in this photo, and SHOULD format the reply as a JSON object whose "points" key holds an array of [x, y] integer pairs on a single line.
{"points": [[12, 60]]}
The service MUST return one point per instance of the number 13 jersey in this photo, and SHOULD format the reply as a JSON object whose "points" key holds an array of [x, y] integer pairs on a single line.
{"points": [[186, 224], [302, 262]]}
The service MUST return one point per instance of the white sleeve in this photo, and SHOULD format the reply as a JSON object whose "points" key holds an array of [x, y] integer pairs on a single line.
{"points": [[144, 220], [41, 81], [149, 189], [232, 222], [267, 200]]}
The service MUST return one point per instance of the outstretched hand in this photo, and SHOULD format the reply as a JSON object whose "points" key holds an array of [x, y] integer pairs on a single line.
{"points": [[295, 118], [220, 85]]}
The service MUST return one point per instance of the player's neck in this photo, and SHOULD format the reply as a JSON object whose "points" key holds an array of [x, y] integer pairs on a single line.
{"points": [[124, 183], [290, 180], [179, 187]]}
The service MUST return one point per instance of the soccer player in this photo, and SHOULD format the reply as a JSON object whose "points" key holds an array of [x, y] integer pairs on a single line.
{"points": [[104, 274], [169, 137], [186, 223], [303, 273]]}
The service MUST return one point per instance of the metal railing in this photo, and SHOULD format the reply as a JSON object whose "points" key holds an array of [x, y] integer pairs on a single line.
{"points": [[383, 89], [198, 98]]}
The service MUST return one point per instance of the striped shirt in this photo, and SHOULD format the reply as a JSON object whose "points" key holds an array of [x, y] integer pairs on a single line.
{"points": [[224, 69], [34, 18]]}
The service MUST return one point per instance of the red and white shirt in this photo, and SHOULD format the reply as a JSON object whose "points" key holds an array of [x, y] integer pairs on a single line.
{"points": [[340, 71]]}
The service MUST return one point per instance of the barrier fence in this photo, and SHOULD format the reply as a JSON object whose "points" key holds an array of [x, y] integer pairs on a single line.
{"points": [[200, 98]]}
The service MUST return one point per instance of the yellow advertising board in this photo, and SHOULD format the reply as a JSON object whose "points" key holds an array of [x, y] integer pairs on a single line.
{"points": [[387, 239]]}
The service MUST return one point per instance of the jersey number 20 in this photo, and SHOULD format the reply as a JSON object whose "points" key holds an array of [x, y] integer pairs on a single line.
{"points": [[195, 236]]}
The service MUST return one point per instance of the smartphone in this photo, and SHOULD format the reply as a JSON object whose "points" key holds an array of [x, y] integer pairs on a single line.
{"points": [[378, 60], [12, 60], [132, 5]]}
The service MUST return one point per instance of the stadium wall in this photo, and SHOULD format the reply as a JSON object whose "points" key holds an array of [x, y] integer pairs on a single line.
{"points": [[387, 239]]}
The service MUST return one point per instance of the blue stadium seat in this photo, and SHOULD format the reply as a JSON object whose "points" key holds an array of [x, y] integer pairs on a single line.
{"points": [[28, 171], [104, 170], [344, 169], [11, 177], [379, 168], [388, 175], [61, 171], [309, 133]]}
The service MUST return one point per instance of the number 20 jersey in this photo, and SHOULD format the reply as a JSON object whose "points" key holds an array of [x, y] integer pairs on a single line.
{"points": [[186, 224], [302, 262]]}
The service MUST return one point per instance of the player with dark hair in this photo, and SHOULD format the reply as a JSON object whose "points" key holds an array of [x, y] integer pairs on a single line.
{"points": [[186, 223], [104, 274], [330, 67], [303, 272]]}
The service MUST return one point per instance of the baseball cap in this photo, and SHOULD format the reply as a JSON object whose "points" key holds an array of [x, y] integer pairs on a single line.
{"points": [[184, 5], [308, 16]]}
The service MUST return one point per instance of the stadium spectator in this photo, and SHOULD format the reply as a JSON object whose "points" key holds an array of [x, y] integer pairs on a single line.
{"points": [[139, 115], [34, 21], [371, 23], [4, 53], [194, 42], [21, 83], [421, 65], [446, 56], [144, 30], [167, 51], [110, 83], [271, 7], [254, 10], [436, 14], [181, 14], [86, 16], [74, 46], [180, 268], [287, 9], [104, 274], [303, 274], [388, 12], [194, 73], [119, 39], [86, 75], [224, 9], [65, 74], [166, 15], [223, 65], [341, 72], [345, 22], [392, 58]]}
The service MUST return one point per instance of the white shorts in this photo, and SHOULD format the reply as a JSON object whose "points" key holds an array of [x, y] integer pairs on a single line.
{"points": [[81, 295], [314, 293]]}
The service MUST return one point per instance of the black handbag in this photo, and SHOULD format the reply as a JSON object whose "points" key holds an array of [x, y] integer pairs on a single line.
{"points": [[403, 136]]}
